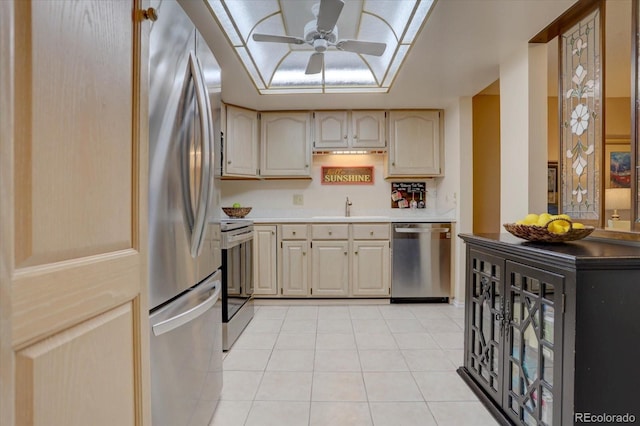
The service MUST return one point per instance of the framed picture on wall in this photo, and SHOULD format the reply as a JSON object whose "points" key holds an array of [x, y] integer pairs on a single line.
{"points": [[552, 187], [617, 169]]}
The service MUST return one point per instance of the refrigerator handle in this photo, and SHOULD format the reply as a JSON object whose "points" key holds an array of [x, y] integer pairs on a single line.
{"points": [[189, 315], [199, 225]]}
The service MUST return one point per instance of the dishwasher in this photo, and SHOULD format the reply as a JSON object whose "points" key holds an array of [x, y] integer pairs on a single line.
{"points": [[421, 266]]}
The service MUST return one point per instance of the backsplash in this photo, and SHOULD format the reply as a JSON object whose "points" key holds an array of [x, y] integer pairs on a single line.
{"points": [[273, 195]]}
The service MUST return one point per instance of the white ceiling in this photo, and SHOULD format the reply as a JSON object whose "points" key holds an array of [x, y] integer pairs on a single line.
{"points": [[457, 54]]}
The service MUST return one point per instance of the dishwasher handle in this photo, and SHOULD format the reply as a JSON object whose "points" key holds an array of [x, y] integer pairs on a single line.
{"points": [[189, 315], [421, 230]]}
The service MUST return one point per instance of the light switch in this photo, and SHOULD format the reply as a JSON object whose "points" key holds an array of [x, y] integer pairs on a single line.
{"points": [[298, 199]]}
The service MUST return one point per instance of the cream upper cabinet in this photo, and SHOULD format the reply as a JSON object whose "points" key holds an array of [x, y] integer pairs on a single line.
{"points": [[414, 143], [74, 314], [264, 260], [331, 130], [285, 143], [241, 142], [349, 130], [368, 129]]}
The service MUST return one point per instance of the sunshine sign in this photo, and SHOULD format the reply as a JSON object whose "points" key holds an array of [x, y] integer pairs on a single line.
{"points": [[362, 175]]}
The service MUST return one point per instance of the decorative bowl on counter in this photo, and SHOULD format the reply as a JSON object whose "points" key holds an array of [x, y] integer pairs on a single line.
{"points": [[236, 212], [542, 233]]}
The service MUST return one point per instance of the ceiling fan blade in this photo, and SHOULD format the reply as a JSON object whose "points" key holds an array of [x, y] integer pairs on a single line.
{"points": [[328, 14], [278, 39], [315, 63], [364, 47]]}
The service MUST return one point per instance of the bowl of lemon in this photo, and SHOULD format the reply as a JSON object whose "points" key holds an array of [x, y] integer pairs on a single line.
{"points": [[548, 228]]}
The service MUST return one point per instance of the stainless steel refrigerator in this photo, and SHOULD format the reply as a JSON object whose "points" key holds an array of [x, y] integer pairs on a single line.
{"points": [[184, 268]]}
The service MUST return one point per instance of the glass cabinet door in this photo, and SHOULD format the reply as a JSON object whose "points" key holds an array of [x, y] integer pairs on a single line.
{"points": [[485, 320], [533, 340]]}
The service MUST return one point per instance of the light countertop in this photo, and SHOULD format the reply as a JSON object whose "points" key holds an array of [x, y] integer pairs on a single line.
{"points": [[386, 216]]}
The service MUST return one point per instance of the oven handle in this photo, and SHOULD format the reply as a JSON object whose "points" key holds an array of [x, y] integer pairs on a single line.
{"points": [[189, 315], [235, 240]]}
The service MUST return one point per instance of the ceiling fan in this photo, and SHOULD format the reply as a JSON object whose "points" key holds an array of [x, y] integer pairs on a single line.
{"points": [[322, 33]]}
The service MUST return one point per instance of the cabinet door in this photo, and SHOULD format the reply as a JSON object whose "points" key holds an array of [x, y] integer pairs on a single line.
{"points": [[414, 143], [74, 312], [330, 268], [533, 340], [485, 321], [368, 129], [330, 130], [285, 144], [241, 142], [370, 268], [295, 270], [264, 260]]}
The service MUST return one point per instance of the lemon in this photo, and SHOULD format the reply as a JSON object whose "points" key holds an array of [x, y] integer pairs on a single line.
{"points": [[520, 222], [577, 225], [543, 219], [530, 219], [564, 216], [236, 205], [558, 227]]}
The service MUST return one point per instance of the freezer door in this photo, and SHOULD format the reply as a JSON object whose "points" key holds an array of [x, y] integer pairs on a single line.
{"points": [[186, 357]]}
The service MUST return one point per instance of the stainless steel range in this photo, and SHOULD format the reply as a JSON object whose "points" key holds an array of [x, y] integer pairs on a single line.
{"points": [[236, 242]]}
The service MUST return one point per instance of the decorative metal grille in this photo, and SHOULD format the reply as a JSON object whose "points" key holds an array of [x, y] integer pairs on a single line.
{"points": [[581, 135]]}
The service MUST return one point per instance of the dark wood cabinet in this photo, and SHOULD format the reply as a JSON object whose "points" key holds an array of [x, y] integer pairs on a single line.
{"points": [[551, 330]]}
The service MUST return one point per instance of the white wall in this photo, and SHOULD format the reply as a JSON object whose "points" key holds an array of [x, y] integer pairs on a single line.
{"points": [[523, 140]]}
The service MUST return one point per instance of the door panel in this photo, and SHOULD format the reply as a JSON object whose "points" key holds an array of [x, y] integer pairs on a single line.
{"points": [[71, 379]]}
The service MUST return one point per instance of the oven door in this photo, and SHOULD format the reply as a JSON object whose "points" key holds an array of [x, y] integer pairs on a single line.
{"points": [[237, 264]]}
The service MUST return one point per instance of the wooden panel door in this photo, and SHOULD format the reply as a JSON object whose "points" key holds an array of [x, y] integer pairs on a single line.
{"points": [[370, 266], [241, 142], [73, 153], [264, 260], [295, 269], [330, 268]]}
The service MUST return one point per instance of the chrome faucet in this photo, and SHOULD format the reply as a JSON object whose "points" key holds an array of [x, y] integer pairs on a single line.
{"points": [[347, 207]]}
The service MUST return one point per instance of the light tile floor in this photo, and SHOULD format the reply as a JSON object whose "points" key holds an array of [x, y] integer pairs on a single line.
{"points": [[349, 365]]}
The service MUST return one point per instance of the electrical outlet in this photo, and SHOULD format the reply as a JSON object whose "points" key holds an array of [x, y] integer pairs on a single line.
{"points": [[298, 199]]}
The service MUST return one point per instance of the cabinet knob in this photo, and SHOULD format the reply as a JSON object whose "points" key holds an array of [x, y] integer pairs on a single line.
{"points": [[330, 232], [304, 253], [371, 233], [228, 162], [345, 136], [306, 166], [273, 232], [393, 164], [356, 253], [355, 136], [345, 253], [294, 232], [150, 14]]}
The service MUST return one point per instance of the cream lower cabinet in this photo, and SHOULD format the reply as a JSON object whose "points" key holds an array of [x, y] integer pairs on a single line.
{"points": [[295, 268], [330, 268], [265, 247], [370, 266]]}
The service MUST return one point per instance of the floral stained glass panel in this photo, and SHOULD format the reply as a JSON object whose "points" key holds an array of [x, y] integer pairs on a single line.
{"points": [[581, 128]]}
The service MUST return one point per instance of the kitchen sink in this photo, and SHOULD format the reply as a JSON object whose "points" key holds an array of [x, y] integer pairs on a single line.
{"points": [[351, 218]]}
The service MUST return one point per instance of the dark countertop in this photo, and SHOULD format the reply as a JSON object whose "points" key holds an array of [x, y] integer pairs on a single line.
{"points": [[598, 252]]}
